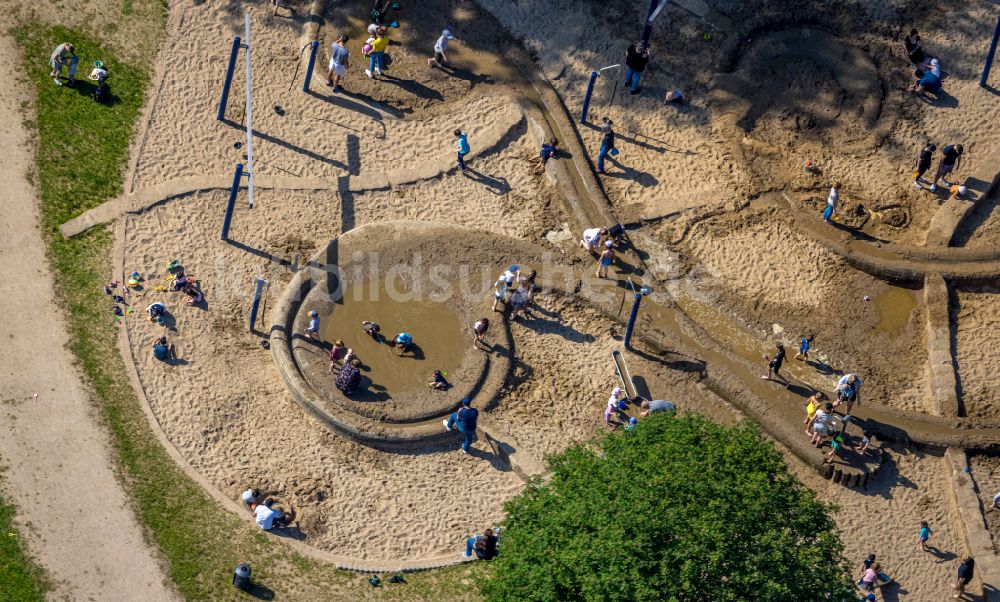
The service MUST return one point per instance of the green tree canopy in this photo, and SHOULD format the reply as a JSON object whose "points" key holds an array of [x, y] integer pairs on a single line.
{"points": [[679, 508]]}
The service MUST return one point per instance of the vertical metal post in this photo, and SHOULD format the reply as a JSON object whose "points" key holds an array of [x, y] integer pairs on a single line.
{"points": [[631, 320], [586, 98], [232, 201], [312, 65], [249, 119], [989, 57], [229, 80], [256, 301]]}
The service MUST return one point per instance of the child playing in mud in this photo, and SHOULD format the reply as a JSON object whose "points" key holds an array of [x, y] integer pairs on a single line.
{"points": [[479, 330], [606, 259], [402, 343], [774, 365], [439, 381], [502, 289], [804, 344], [811, 408], [372, 329], [340, 354], [866, 441]]}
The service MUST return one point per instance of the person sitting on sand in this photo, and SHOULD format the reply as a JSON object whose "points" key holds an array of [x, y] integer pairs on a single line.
{"points": [[156, 311], [339, 354], [592, 239], [373, 330], [484, 546], [251, 498], [439, 381], [194, 294], [402, 342], [927, 83], [269, 517], [549, 150], [162, 350], [869, 577], [349, 377], [656, 405]]}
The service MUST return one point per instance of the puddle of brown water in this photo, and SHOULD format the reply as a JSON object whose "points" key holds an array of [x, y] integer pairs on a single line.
{"points": [[894, 308], [440, 340]]}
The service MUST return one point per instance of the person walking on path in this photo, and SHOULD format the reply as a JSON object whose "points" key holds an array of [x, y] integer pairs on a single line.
{"points": [[831, 203], [465, 420], [340, 62], [923, 164], [63, 56], [462, 147], [951, 158], [479, 330], [966, 568], [376, 59], [441, 50], [925, 534], [636, 58], [607, 144], [774, 365]]}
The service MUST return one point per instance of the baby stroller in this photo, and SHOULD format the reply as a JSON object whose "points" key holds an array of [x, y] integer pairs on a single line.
{"points": [[100, 75]]}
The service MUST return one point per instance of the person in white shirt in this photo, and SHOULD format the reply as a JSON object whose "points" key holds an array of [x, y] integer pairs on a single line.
{"points": [[268, 517], [831, 203], [996, 503], [848, 391], [440, 50], [592, 239], [250, 497]]}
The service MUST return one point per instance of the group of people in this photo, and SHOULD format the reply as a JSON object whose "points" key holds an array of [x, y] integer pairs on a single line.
{"points": [[928, 68], [595, 243], [267, 514], [616, 411], [516, 290]]}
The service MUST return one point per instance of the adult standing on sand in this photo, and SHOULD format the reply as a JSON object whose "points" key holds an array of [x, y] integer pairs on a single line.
{"points": [[831, 203], [951, 158], [923, 164], [607, 143], [465, 419], [340, 62], [636, 58]]}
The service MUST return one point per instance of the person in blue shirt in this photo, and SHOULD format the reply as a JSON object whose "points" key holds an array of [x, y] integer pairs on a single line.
{"points": [[927, 81], [804, 344], [463, 147], [465, 420], [607, 144], [402, 342], [162, 350]]}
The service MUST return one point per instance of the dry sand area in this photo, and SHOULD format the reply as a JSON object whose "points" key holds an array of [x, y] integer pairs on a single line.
{"points": [[884, 520], [975, 312]]}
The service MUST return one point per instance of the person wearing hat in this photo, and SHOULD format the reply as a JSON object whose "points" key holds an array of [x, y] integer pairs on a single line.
{"points": [[607, 143], [606, 259], [441, 49], [312, 331], [465, 420], [62, 56]]}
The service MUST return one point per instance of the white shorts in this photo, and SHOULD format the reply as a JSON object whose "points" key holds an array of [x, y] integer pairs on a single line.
{"points": [[337, 68]]}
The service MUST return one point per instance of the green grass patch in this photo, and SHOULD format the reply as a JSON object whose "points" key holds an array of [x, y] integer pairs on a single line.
{"points": [[82, 151], [20, 579]]}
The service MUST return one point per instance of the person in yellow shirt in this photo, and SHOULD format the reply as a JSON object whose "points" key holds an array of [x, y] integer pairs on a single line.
{"points": [[377, 56]]}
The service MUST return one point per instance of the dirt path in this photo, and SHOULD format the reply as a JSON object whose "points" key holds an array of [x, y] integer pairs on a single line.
{"points": [[58, 463]]}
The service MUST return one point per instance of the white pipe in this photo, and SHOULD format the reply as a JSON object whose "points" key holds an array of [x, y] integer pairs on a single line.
{"points": [[249, 117]]}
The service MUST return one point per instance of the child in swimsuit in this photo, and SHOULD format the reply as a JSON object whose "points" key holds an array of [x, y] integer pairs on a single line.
{"points": [[607, 258]]}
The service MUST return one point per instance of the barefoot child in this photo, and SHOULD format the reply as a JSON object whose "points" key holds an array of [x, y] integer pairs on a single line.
{"points": [[439, 381], [312, 330], [866, 440], [804, 344], [606, 259], [925, 534], [479, 330], [811, 408]]}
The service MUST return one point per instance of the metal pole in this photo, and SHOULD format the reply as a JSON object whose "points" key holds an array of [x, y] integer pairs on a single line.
{"points": [[631, 320], [256, 301], [229, 80], [647, 29], [989, 57], [312, 64], [586, 98], [249, 119], [232, 201]]}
